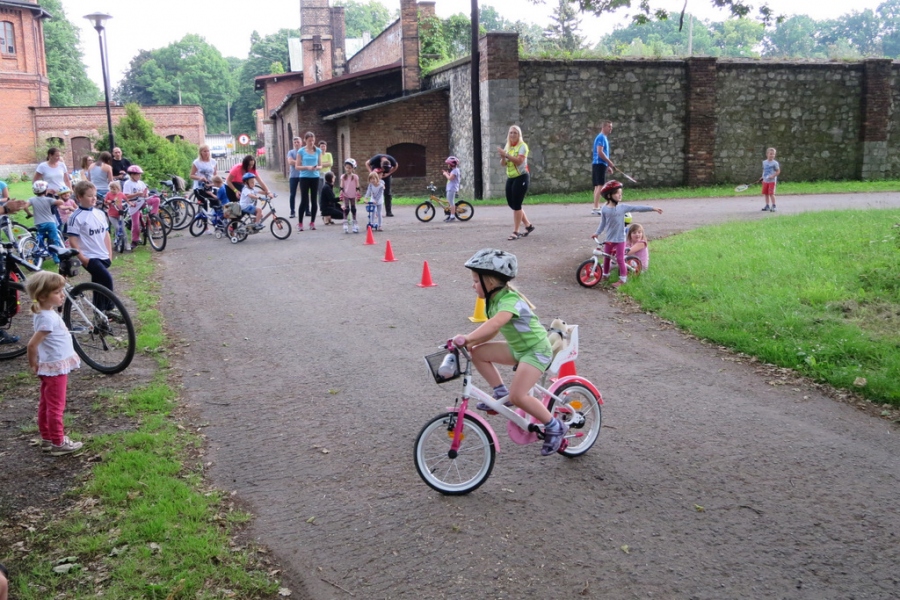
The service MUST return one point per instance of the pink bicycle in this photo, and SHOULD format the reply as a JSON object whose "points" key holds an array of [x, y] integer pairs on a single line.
{"points": [[455, 451]]}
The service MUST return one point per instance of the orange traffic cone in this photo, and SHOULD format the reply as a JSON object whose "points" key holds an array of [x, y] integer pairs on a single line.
{"points": [[388, 253], [370, 239], [480, 315], [426, 277], [567, 369]]}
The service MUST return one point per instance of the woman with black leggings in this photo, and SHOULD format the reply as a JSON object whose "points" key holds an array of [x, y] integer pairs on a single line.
{"points": [[309, 162], [515, 158]]}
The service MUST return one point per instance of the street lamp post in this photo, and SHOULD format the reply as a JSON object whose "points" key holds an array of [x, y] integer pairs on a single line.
{"points": [[97, 19]]}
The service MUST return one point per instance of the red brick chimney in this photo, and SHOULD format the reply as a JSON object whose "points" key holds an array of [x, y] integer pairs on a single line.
{"points": [[409, 30]]}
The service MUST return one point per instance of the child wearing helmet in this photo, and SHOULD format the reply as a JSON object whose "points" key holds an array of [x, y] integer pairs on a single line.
{"points": [[137, 194], [41, 208], [451, 172], [66, 209], [249, 198], [526, 345], [350, 194], [612, 222]]}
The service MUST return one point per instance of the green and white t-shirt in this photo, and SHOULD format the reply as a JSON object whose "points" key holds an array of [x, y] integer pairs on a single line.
{"points": [[520, 149], [524, 331]]}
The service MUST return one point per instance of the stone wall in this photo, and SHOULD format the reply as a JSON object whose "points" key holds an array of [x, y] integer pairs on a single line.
{"points": [[894, 125], [563, 104], [456, 77], [811, 113]]}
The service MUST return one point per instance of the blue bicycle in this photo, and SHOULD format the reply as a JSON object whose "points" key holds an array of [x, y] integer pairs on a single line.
{"points": [[209, 217]]}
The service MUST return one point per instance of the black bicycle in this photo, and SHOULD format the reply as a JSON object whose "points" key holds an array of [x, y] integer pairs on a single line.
{"points": [[102, 331]]}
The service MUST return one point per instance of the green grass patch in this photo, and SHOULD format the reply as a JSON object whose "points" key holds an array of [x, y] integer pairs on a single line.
{"points": [[637, 193], [144, 523], [816, 292]]}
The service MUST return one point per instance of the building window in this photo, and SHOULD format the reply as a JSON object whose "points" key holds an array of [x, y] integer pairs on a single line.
{"points": [[7, 38], [411, 158], [174, 137]]}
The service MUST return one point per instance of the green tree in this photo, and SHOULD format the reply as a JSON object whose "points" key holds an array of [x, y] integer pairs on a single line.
{"points": [[190, 71], [564, 31], [650, 9], [738, 38], [861, 29], [130, 88], [156, 155], [663, 33], [359, 17], [797, 36], [69, 83], [264, 52]]}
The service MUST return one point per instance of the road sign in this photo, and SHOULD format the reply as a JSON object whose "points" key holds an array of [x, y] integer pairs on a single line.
{"points": [[243, 139]]}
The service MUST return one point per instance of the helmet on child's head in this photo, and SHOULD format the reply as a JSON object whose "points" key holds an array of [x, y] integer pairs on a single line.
{"points": [[628, 218], [249, 176], [63, 190], [134, 169], [494, 262], [609, 187], [39, 186], [452, 161], [350, 162]]}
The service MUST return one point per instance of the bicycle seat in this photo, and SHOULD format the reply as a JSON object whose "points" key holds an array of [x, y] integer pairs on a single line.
{"points": [[63, 253]]}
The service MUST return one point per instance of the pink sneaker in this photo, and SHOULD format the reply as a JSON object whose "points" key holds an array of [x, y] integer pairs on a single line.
{"points": [[299, 226], [618, 284], [312, 226]]}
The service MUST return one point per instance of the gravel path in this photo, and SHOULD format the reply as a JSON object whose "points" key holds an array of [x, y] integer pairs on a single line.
{"points": [[714, 476]]}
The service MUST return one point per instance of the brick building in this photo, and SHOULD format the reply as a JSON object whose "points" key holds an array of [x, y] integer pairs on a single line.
{"points": [[28, 122]]}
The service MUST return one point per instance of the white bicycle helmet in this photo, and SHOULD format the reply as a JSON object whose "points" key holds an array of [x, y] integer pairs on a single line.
{"points": [[63, 190], [491, 261], [39, 186], [350, 162]]}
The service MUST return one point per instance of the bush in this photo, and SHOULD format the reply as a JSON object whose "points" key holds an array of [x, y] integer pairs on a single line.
{"points": [[13, 178], [156, 155]]}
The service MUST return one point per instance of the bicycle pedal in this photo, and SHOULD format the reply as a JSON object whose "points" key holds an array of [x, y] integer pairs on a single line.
{"points": [[563, 445]]}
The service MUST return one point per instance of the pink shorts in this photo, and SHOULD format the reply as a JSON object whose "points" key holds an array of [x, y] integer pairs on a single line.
{"points": [[768, 188]]}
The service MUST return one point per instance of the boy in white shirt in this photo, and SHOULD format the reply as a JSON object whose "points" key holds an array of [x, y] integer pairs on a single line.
{"points": [[89, 234], [248, 199]]}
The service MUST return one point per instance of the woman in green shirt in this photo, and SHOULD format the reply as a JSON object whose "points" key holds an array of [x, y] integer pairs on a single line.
{"points": [[515, 158]]}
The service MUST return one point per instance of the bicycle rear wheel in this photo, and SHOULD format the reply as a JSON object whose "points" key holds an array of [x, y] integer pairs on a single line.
{"points": [[464, 210], [281, 228], [582, 412], [588, 273], [633, 264], [468, 469], [182, 211], [101, 328], [167, 219], [18, 329], [156, 233]]}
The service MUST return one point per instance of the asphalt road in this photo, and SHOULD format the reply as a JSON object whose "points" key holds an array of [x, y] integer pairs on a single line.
{"points": [[714, 476]]}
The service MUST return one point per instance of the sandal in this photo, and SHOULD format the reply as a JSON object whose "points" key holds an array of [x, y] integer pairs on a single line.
{"points": [[528, 230], [515, 235]]}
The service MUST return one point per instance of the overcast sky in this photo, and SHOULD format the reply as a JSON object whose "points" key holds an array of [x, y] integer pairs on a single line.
{"points": [[146, 26]]}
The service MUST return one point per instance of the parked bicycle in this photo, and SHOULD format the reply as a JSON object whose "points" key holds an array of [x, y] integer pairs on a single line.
{"points": [[173, 200], [212, 216], [455, 451], [590, 272], [152, 228], [426, 210], [102, 331], [238, 229]]}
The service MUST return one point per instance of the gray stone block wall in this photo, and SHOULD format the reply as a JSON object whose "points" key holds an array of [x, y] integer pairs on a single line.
{"points": [[458, 77], [810, 113], [563, 105], [893, 143]]}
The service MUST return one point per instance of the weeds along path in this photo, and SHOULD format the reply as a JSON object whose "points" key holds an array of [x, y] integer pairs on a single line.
{"points": [[708, 481]]}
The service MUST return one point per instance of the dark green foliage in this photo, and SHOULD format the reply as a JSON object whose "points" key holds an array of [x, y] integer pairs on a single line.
{"points": [[360, 17], [190, 71], [69, 83], [156, 155], [564, 31]]}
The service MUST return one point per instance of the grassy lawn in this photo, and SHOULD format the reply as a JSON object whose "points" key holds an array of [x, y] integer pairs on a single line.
{"points": [[817, 292], [635, 193], [144, 524]]}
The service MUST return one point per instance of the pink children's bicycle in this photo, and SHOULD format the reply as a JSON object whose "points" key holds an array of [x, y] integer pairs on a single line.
{"points": [[455, 451]]}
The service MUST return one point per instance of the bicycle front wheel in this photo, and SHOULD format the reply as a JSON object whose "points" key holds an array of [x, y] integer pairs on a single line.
{"points": [[30, 251], [633, 264], [182, 212], [281, 228], [101, 328], [581, 410], [464, 210], [198, 225], [463, 473], [156, 233], [588, 273], [425, 212], [17, 329]]}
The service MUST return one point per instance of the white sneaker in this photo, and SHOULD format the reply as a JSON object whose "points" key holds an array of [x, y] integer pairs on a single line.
{"points": [[67, 447], [346, 228], [596, 211], [355, 228]]}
